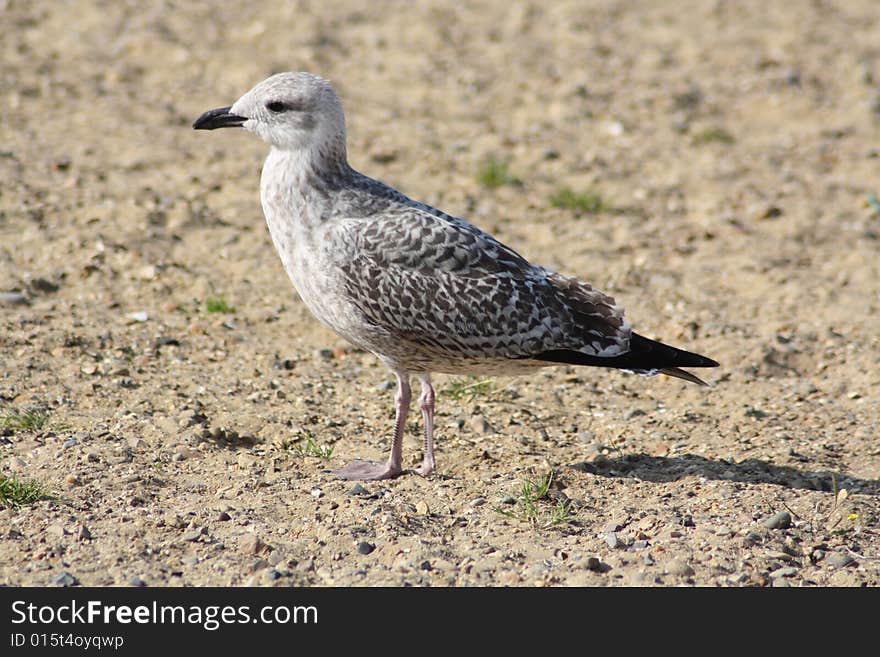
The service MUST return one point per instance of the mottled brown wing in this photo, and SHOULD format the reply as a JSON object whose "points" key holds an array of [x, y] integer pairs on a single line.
{"points": [[436, 281]]}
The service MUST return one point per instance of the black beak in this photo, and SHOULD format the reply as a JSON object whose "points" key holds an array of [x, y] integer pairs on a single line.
{"points": [[218, 118]]}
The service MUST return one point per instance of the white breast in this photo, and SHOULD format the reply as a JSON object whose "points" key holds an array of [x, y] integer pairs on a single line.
{"points": [[304, 246]]}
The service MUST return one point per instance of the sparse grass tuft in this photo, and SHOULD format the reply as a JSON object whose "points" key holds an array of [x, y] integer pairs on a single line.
{"points": [[15, 493], [30, 419], [494, 173], [533, 502], [713, 135], [308, 447], [588, 202], [532, 492], [469, 389], [218, 305]]}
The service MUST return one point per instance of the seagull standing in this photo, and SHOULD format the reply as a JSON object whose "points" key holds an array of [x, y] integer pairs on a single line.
{"points": [[424, 291]]}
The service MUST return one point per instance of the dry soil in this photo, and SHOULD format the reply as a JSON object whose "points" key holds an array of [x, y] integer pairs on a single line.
{"points": [[734, 151]]}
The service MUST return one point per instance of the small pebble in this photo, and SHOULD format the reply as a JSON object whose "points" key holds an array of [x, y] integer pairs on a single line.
{"points": [[365, 548], [422, 508], [73, 442], [679, 568], [43, 285], [192, 535], [507, 499], [632, 413], [251, 544], [12, 299], [785, 571], [840, 560], [780, 520], [612, 526], [136, 442], [316, 493], [357, 489], [595, 565], [223, 516], [767, 212], [16, 463], [478, 501], [136, 581], [165, 341], [479, 424], [56, 529], [751, 538], [64, 579], [185, 451], [611, 540]]}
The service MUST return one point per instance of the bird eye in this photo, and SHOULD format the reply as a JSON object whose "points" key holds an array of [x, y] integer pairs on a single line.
{"points": [[276, 106]]}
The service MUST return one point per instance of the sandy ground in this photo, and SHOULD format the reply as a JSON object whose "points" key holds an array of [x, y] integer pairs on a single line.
{"points": [[735, 148]]}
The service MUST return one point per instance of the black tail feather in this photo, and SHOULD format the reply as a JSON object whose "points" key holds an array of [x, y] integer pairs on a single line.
{"points": [[643, 355]]}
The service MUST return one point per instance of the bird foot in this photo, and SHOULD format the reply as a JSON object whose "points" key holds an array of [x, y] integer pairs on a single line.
{"points": [[368, 471], [426, 468]]}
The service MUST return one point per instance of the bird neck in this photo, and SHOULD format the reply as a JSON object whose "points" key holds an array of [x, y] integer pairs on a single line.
{"points": [[322, 164], [301, 184]]}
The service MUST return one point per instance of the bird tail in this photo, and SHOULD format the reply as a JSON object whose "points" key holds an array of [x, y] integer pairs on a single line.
{"points": [[645, 356]]}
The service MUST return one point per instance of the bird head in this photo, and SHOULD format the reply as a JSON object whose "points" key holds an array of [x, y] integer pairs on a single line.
{"points": [[290, 111]]}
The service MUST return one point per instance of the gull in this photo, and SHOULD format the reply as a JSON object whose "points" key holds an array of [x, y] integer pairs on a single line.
{"points": [[422, 290]]}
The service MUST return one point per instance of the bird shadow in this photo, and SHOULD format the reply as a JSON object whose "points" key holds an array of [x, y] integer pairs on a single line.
{"points": [[753, 471]]}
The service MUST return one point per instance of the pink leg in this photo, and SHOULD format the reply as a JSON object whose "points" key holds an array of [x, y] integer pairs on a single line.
{"points": [[427, 403], [370, 470]]}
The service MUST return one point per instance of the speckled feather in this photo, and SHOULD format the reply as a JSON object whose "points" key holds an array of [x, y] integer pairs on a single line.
{"points": [[448, 297], [421, 289], [424, 291]]}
